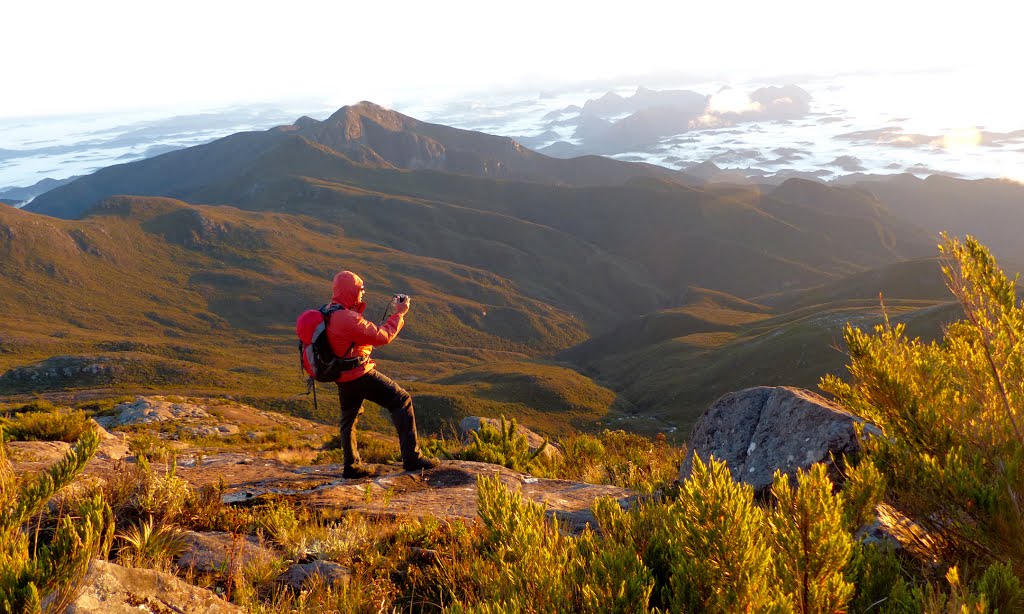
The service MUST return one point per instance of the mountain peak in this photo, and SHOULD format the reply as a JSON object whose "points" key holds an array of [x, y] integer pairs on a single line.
{"points": [[386, 118]]}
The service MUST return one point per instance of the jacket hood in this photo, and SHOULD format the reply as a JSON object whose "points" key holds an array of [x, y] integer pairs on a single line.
{"points": [[346, 289]]}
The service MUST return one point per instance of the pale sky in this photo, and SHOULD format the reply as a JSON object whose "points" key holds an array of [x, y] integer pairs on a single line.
{"points": [[62, 57]]}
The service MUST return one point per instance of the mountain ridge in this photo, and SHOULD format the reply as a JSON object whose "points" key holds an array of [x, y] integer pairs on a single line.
{"points": [[368, 134]]}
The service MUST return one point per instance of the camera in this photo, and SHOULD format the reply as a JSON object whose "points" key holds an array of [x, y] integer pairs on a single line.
{"points": [[401, 298]]}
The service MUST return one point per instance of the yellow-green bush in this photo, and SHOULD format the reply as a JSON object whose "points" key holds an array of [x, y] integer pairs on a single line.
{"points": [[504, 445], [951, 413], [48, 425], [35, 572]]}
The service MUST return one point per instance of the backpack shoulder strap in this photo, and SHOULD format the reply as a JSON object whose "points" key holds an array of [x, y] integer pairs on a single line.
{"points": [[327, 311]]}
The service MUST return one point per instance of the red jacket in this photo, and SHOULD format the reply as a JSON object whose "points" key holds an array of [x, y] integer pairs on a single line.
{"points": [[348, 326]]}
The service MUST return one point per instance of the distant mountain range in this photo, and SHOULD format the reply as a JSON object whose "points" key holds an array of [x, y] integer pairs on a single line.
{"points": [[18, 195], [186, 271]]}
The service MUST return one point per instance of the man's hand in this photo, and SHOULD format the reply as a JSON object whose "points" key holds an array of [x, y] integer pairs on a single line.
{"points": [[402, 305]]}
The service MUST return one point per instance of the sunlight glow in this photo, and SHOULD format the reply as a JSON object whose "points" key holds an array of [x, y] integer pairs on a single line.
{"points": [[730, 100], [961, 138]]}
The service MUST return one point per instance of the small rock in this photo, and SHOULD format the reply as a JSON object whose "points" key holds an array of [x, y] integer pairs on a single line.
{"points": [[329, 573], [211, 430], [112, 447], [211, 551], [113, 589]]}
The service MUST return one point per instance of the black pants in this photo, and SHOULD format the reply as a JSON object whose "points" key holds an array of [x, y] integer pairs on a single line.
{"points": [[383, 391]]}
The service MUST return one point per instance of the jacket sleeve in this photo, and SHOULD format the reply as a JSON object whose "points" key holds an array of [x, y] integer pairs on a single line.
{"points": [[368, 333]]}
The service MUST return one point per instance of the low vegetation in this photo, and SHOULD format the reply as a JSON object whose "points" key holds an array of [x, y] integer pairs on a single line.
{"points": [[46, 566], [952, 414], [950, 460]]}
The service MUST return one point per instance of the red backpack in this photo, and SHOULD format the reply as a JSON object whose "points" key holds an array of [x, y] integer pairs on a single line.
{"points": [[316, 356]]}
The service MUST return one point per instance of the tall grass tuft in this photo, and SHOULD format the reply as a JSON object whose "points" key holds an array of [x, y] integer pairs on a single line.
{"points": [[150, 545]]}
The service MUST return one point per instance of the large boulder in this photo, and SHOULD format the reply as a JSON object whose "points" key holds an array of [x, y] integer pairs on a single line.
{"points": [[533, 440], [115, 589], [758, 430]]}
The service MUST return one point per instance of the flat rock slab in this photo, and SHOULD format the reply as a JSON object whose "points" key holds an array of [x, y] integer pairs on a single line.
{"points": [[114, 589], [450, 492], [447, 491]]}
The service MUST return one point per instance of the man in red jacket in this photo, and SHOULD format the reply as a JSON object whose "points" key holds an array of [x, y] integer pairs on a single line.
{"points": [[351, 336]]}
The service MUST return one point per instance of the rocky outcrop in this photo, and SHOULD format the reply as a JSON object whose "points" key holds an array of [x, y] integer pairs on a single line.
{"points": [[245, 475], [148, 410], [112, 447], [115, 589], [533, 440], [61, 371], [758, 430], [191, 418]]}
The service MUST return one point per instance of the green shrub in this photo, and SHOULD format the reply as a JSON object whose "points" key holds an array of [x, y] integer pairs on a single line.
{"points": [[49, 572], [101, 407], [720, 560], [279, 522], [1001, 588], [371, 450], [810, 544], [537, 561], [881, 580], [439, 447], [612, 578], [951, 413], [49, 426], [149, 446], [37, 405], [505, 446]]}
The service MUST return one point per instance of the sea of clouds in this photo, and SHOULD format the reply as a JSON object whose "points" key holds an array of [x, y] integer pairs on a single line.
{"points": [[921, 123]]}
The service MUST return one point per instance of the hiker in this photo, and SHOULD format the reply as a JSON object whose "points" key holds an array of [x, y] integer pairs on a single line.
{"points": [[351, 335]]}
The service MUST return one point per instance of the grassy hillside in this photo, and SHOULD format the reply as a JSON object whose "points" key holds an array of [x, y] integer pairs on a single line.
{"points": [[674, 363], [154, 294], [672, 235], [668, 295]]}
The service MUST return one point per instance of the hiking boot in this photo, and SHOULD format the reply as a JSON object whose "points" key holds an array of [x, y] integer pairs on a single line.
{"points": [[355, 472], [421, 462]]}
